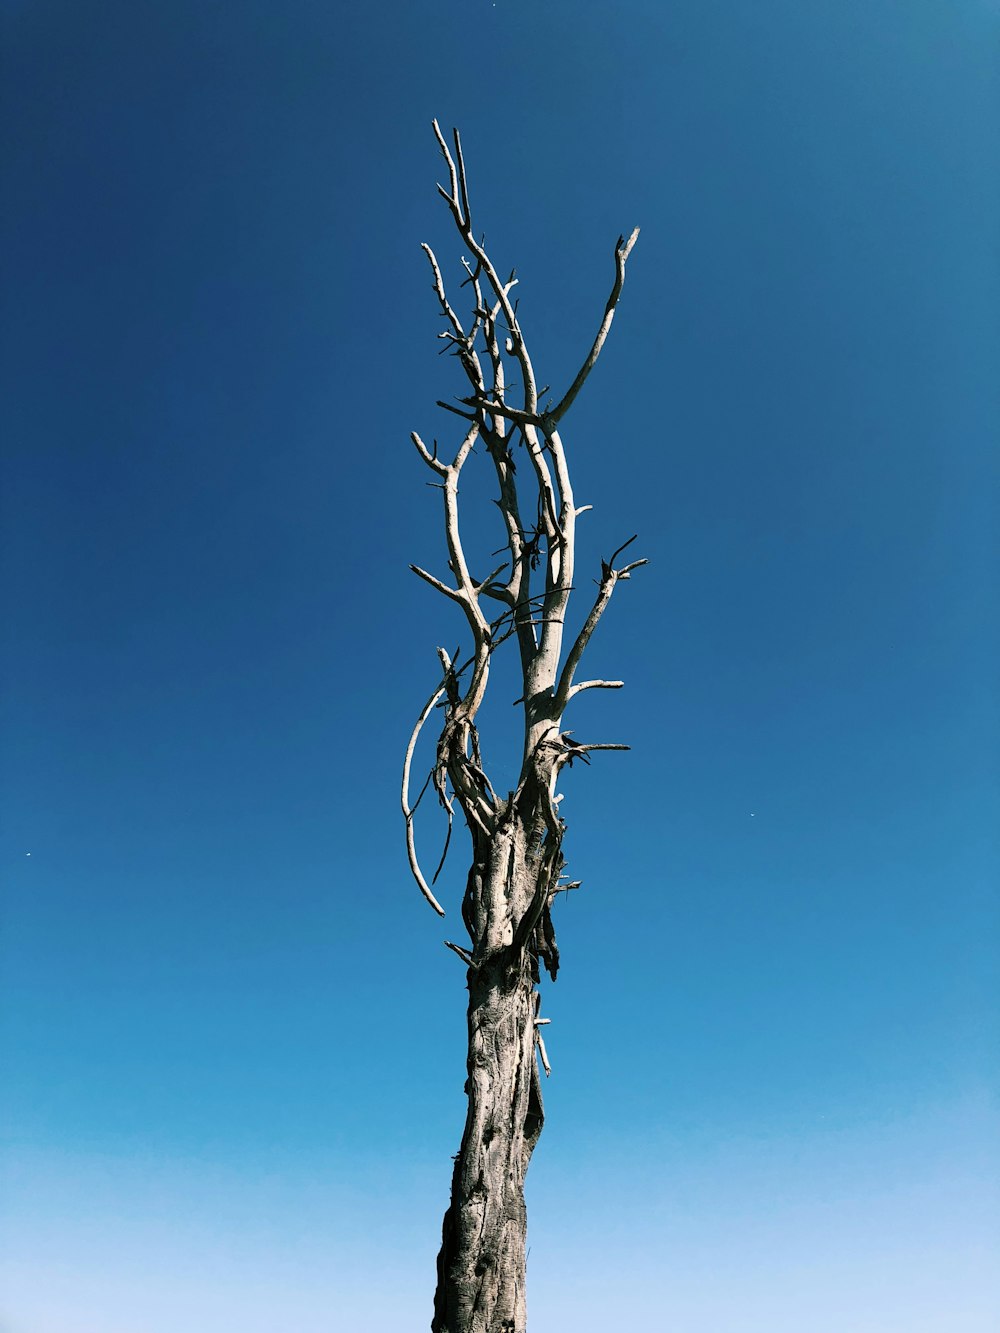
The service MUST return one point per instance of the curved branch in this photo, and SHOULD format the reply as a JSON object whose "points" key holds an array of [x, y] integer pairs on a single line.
{"points": [[462, 182], [623, 249], [484, 586], [432, 460], [411, 849], [594, 685]]}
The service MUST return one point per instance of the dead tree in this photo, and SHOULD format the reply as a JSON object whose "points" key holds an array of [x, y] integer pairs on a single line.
{"points": [[517, 840]]}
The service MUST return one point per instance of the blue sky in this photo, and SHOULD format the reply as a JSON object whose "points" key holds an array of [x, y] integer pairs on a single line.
{"points": [[233, 1038]]}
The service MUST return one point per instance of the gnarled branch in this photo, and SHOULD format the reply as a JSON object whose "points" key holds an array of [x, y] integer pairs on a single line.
{"points": [[609, 578]]}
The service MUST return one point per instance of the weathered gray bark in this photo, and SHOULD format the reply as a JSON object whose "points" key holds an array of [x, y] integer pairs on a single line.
{"points": [[481, 1266], [517, 860]]}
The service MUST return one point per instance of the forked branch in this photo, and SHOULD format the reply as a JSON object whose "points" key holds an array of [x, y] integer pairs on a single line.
{"points": [[610, 577], [539, 516]]}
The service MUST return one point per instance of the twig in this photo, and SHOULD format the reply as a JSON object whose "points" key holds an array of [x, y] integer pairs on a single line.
{"points": [[453, 593], [464, 954], [543, 1054]]}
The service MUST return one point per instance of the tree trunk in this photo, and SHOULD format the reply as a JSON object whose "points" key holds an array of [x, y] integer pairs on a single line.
{"points": [[481, 1265]]}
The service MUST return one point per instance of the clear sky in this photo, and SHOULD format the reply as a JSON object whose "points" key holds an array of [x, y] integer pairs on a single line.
{"points": [[233, 1039]]}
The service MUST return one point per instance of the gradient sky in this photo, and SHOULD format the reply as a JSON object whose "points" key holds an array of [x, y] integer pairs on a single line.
{"points": [[233, 1039]]}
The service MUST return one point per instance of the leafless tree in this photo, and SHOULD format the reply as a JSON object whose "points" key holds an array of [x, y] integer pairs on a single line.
{"points": [[517, 859]]}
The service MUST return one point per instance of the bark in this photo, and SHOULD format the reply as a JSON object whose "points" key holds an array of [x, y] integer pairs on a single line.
{"points": [[481, 1265]]}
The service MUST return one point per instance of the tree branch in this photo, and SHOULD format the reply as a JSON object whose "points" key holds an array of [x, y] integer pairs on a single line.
{"points": [[609, 577], [464, 954], [543, 1055], [411, 850], [623, 249], [454, 593], [453, 197], [465, 342], [432, 460], [594, 685]]}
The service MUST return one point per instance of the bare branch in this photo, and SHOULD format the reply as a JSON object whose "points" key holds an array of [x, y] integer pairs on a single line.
{"points": [[464, 342], [623, 249], [624, 547], [462, 183], [595, 685], [498, 409], [543, 1054], [453, 593], [430, 459], [447, 844], [411, 850], [461, 336], [420, 794], [453, 197], [464, 954], [609, 577], [448, 407]]}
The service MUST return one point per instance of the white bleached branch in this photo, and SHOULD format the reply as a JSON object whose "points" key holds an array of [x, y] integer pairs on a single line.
{"points": [[454, 593], [411, 850], [594, 685], [623, 249]]}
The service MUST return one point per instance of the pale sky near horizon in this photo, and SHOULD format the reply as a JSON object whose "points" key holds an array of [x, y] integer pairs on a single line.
{"points": [[231, 1036]]}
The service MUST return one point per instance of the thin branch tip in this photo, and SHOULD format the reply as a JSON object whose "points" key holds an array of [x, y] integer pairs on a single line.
{"points": [[625, 249]]}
